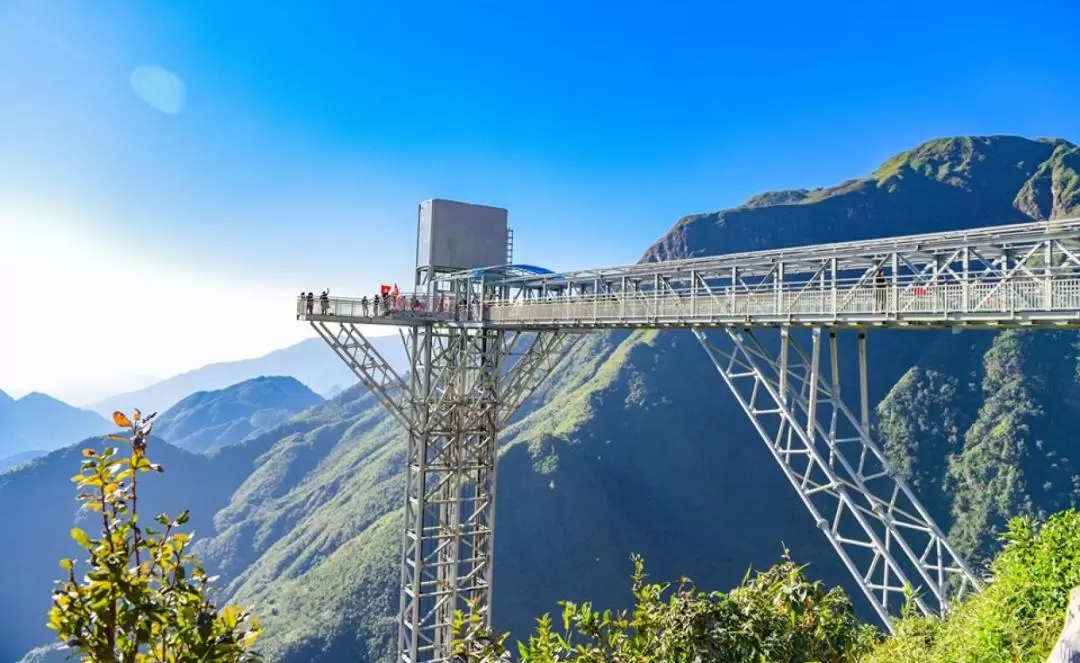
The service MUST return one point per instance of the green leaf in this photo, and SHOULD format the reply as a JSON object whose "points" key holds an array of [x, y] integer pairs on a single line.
{"points": [[80, 537]]}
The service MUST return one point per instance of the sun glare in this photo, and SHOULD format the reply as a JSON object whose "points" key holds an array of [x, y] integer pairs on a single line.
{"points": [[84, 307]]}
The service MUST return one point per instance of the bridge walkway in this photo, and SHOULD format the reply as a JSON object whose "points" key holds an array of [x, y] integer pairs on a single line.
{"points": [[1006, 276]]}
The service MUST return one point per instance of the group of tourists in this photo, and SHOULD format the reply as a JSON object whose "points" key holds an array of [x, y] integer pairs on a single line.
{"points": [[388, 300], [308, 301]]}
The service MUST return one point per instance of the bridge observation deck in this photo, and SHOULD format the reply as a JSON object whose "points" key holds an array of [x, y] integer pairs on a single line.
{"points": [[1008, 276], [471, 369]]}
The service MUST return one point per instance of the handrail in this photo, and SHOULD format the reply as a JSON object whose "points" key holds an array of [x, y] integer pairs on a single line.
{"points": [[984, 300]]}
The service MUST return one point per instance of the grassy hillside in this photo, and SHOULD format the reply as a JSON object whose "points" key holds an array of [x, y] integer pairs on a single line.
{"points": [[985, 428]]}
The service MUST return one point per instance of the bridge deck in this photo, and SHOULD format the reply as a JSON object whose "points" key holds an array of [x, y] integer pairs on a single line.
{"points": [[1008, 276], [1011, 304]]}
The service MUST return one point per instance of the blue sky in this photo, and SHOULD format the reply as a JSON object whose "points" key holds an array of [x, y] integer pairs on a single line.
{"points": [[309, 131]]}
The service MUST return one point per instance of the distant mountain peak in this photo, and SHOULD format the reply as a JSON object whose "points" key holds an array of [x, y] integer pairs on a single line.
{"points": [[209, 420], [309, 361], [39, 397], [38, 421], [958, 182], [960, 160]]}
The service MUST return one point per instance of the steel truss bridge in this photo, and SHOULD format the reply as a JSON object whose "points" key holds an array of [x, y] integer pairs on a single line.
{"points": [[479, 343]]}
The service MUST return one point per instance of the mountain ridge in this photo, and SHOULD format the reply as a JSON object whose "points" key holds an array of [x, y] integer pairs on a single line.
{"points": [[37, 421], [307, 361], [208, 420]]}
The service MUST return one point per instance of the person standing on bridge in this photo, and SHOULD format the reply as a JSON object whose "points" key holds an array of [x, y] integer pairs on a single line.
{"points": [[310, 303], [364, 306], [880, 294]]}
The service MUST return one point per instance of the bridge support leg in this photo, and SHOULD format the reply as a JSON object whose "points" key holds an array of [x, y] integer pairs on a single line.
{"points": [[450, 486], [883, 535], [463, 387]]}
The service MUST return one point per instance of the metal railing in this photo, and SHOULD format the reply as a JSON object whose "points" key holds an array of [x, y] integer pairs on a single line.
{"points": [[986, 302], [982, 301], [405, 306]]}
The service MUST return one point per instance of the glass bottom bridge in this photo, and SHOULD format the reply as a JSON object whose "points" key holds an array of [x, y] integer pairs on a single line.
{"points": [[481, 339]]}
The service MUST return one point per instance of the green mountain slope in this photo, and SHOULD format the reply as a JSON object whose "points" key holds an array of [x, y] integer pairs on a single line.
{"points": [[986, 427], [209, 420]]}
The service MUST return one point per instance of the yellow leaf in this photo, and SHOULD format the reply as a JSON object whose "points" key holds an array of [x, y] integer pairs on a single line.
{"points": [[120, 419], [67, 564], [136, 415], [229, 617], [80, 537], [116, 438], [89, 453]]}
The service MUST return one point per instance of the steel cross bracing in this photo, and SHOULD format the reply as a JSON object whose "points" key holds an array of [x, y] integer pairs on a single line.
{"points": [[876, 524], [480, 343], [462, 389]]}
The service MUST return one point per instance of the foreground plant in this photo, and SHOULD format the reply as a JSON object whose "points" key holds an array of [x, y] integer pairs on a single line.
{"points": [[1017, 618], [778, 615], [143, 597]]}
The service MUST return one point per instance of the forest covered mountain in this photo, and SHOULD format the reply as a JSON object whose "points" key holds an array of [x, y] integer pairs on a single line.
{"points": [[209, 420], [634, 444]]}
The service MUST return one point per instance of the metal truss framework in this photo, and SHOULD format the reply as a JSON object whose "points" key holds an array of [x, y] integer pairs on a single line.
{"points": [[1027, 274], [462, 389], [480, 344], [883, 535]]}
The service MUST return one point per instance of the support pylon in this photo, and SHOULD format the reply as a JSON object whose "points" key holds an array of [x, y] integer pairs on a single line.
{"points": [[464, 385], [881, 531]]}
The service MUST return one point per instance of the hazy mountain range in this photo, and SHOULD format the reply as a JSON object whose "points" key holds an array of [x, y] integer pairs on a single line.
{"points": [[633, 445], [309, 361], [37, 422]]}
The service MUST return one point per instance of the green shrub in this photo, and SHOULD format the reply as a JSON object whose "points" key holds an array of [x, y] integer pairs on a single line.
{"points": [[777, 616], [144, 597], [1016, 618]]}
